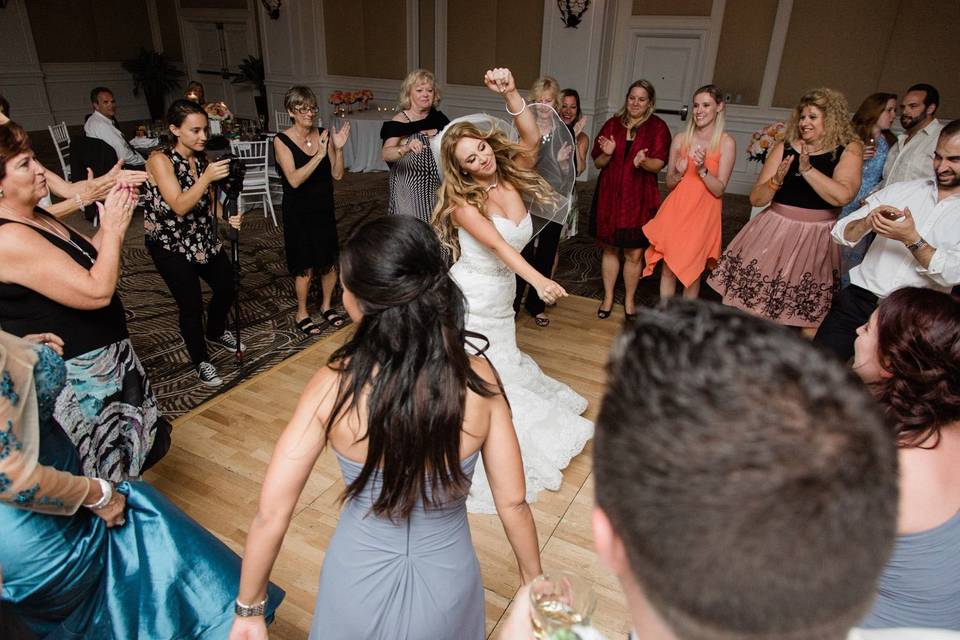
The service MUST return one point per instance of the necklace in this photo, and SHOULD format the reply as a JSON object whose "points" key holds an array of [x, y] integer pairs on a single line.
{"points": [[43, 226], [490, 187]]}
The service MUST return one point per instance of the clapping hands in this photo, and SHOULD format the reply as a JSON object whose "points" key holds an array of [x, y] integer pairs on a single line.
{"points": [[639, 158], [607, 145], [340, 137], [117, 210]]}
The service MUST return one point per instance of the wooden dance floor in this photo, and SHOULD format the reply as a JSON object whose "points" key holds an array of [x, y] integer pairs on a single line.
{"points": [[221, 449]]}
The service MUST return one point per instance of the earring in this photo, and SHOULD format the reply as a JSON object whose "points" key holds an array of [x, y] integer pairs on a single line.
{"points": [[1, 192]]}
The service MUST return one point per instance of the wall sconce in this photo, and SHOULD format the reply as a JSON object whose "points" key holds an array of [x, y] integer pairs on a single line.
{"points": [[571, 10], [272, 7]]}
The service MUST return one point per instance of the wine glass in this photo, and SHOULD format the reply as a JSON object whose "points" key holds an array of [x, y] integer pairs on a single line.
{"points": [[560, 600]]}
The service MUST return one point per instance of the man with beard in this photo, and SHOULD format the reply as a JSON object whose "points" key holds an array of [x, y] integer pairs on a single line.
{"points": [[917, 245], [909, 159]]}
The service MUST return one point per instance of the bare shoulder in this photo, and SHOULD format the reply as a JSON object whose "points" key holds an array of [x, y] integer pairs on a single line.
{"points": [[483, 368], [399, 117]]}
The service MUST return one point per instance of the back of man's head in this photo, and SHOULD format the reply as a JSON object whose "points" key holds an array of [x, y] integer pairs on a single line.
{"points": [[750, 477]]}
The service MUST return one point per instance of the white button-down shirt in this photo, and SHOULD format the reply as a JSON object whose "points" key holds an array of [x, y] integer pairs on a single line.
{"points": [[912, 159], [100, 126], [889, 265]]}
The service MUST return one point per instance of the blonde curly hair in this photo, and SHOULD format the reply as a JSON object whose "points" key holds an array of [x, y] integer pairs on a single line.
{"points": [[459, 189], [837, 129], [414, 78]]}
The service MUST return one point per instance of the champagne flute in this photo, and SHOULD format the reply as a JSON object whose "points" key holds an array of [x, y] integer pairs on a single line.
{"points": [[560, 600]]}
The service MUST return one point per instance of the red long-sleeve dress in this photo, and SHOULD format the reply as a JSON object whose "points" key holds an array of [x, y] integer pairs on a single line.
{"points": [[627, 197]]}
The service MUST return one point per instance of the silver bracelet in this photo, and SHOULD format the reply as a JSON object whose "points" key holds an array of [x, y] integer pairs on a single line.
{"points": [[507, 107], [106, 490], [249, 610], [78, 200]]}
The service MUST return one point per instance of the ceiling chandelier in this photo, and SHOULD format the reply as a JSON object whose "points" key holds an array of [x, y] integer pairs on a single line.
{"points": [[572, 10]]}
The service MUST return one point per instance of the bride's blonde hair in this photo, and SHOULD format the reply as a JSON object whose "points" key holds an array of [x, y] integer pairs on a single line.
{"points": [[458, 188]]}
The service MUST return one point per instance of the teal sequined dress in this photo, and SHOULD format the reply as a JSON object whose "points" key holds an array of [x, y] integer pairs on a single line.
{"points": [[161, 575]]}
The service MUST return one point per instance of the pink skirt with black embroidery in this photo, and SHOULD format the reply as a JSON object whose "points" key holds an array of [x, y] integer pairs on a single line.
{"points": [[783, 266]]}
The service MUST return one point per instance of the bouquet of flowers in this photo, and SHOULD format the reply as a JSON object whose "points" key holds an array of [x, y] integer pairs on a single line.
{"points": [[763, 140], [336, 98]]}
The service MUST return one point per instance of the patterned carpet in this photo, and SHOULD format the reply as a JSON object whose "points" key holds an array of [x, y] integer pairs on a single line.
{"points": [[268, 300]]}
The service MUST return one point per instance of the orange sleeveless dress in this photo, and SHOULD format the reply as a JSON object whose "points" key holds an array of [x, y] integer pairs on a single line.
{"points": [[685, 233]]}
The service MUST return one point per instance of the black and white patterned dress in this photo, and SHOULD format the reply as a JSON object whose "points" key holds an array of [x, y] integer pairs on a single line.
{"points": [[414, 178]]}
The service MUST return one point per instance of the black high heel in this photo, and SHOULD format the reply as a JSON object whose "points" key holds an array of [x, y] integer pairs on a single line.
{"points": [[602, 313]]}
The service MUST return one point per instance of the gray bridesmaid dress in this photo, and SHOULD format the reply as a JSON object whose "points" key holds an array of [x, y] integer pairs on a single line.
{"points": [[411, 579]]}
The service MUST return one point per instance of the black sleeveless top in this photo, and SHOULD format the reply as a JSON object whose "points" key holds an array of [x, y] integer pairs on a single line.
{"points": [[24, 311], [316, 192], [796, 191]]}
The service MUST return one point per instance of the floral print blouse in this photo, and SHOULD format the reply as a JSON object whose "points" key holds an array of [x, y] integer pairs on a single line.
{"points": [[194, 235]]}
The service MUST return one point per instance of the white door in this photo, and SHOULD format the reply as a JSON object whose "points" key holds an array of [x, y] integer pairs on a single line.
{"points": [[672, 62]]}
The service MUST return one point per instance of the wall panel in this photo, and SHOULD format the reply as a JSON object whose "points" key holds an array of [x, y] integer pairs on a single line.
{"points": [[366, 38], [839, 45], [674, 7], [498, 33], [744, 42]]}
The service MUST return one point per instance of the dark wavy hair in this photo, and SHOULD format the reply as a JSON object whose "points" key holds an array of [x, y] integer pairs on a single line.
{"points": [[408, 360], [918, 342], [751, 478], [13, 141]]}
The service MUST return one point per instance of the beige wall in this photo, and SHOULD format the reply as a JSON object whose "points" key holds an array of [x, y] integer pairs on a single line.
{"points": [[676, 7], [744, 42], [366, 38], [863, 46], [494, 33], [88, 30]]}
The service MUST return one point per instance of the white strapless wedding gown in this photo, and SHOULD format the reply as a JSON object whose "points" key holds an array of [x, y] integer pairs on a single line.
{"points": [[546, 413]]}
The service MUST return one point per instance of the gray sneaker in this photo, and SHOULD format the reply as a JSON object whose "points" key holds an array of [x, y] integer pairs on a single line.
{"points": [[208, 375]]}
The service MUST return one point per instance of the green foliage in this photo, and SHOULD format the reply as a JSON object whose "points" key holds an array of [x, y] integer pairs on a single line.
{"points": [[251, 72], [153, 73]]}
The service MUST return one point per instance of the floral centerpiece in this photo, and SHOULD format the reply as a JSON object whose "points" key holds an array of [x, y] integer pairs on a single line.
{"points": [[366, 95], [763, 140]]}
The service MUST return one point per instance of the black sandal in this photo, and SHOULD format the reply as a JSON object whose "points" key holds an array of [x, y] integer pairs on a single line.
{"points": [[542, 322], [309, 328], [602, 313], [335, 319]]}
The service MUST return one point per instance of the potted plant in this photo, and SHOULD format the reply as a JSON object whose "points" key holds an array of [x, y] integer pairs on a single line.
{"points": [[251, 72], [157, 76]]}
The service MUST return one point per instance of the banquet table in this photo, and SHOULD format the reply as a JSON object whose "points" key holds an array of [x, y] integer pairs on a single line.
{"points": [[362, 152]]}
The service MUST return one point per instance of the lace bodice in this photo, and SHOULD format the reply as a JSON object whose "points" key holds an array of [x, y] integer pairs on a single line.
{"points": [[477, 258]]}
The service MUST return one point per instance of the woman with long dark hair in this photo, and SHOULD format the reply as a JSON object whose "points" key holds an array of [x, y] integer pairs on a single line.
{"points": [[909, 354], [180, 221], [407, 412]]}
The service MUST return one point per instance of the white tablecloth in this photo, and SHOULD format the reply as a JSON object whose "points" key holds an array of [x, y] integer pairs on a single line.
{"points": [[362, 152]]}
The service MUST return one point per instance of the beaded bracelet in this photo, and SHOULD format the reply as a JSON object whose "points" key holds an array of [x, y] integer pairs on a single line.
{"points": [[773, 184], [78, 200]]}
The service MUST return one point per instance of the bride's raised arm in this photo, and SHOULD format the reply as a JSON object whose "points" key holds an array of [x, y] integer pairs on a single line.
{"points": [[501, 81]]}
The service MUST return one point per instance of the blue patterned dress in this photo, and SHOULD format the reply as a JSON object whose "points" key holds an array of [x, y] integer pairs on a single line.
{"points": [[872, 175], [159, 576]]}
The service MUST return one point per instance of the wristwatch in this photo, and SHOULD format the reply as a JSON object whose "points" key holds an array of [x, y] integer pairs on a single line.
{"points": [[919, 244], [249, 611]]}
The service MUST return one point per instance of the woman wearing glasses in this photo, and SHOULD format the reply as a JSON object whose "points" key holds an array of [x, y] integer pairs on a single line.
{"points": [[310, 158]]}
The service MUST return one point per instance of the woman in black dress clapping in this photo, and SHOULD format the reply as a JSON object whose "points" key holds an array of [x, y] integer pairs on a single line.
{"points": [[310, 159]]}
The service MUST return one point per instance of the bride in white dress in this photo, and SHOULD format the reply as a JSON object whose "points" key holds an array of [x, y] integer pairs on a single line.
{"points": [[481, 216]]}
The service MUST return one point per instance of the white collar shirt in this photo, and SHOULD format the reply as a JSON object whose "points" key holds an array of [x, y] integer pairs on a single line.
{"points": [[888, 264], [912, 159], [101, 127]]}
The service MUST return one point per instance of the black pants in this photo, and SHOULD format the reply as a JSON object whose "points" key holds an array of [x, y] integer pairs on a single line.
{"points": [[183, 280], [540, 252], [851, 309]]}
